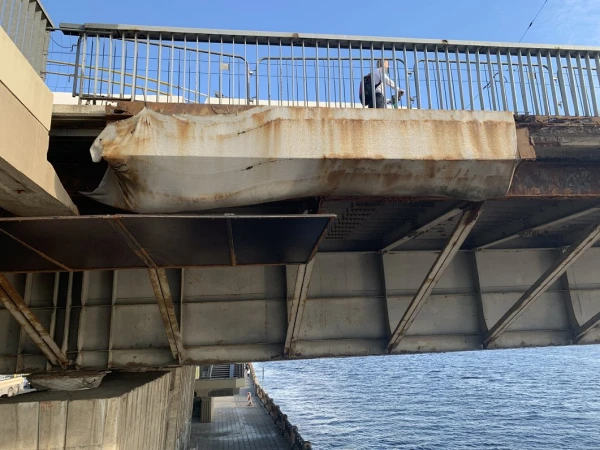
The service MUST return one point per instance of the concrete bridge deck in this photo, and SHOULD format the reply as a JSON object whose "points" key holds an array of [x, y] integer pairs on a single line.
{"points": [[236, 426]]}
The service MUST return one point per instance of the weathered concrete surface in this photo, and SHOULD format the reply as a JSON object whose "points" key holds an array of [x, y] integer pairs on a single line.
{"points": [[28, 184], [564, 138], [567, 149], [170, 163], [181, 402], [148, 410], [126, 411]]}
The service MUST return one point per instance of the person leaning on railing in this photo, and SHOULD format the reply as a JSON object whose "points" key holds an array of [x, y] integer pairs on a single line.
{"points": [[377, 78]]}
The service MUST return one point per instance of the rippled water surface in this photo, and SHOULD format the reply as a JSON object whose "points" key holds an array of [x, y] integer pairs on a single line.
{"points": [[545, 398]]}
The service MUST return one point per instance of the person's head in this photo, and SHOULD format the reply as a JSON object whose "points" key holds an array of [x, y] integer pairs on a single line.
{"points": [[385, 63]]}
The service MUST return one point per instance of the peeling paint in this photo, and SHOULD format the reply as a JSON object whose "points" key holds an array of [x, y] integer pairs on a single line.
{"points": [[162, 163]]}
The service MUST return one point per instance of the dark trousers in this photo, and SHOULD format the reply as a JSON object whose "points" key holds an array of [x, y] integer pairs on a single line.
{"points": [[379, 100]]}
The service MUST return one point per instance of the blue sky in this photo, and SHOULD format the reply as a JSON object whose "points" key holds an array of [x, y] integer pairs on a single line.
{"points": [[561, 21]]}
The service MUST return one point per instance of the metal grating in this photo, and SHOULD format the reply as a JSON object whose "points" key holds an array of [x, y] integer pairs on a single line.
{"points": [[362, 226]]}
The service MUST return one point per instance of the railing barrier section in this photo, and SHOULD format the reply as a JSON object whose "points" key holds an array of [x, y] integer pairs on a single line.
{"points": [[97, 62], [281, 421]]}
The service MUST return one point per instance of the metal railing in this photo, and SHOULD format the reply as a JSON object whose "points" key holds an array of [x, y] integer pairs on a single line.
{"points": [[122, 62], [221, 371], [26, 23], [289, 431]]}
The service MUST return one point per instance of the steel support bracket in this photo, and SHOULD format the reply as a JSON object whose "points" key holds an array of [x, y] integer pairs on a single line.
{"points": [[160, 285], [458, 236], [15, 304], [298, 305], [587, 239]]}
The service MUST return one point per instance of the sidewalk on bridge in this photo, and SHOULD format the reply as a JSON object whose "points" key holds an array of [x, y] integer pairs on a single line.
{"points": [[236, 426]]}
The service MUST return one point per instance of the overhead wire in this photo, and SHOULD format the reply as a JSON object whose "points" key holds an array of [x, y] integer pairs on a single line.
{"points": [[531, 23]]}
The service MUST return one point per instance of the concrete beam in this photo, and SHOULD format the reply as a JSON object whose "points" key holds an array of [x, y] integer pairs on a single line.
{"points": [[544, 282], [298, 305], [529, 226], [160, 285], [431, 218], [460, 233], [13, 302], [28, 184], [303, 152]]}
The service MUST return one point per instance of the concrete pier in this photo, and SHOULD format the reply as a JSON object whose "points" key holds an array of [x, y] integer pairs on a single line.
{"points": [[145, 410], [28, 184], [236, 426]]}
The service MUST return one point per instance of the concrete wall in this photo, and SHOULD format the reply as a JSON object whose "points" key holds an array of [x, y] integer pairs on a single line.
{"points": [[129, 411], [181, 402], [28, 184]]}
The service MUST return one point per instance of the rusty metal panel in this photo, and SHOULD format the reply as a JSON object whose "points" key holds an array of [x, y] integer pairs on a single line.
{"points": [[168, 242], [197, 160], [88, 243], [92, 243], [556, 179], [257, 240], [21, 258]]}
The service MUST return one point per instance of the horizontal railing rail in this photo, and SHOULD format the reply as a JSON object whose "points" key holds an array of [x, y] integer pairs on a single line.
{"points": [[123, 62], [26, 23]]}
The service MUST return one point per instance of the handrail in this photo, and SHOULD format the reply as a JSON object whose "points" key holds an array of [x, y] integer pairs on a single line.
{"points": [[124, 62], [281, 420], [263, 36]]}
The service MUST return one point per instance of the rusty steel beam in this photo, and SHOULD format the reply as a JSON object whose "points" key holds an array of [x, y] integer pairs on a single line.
{"points": [[323, 235], [530, 226], [298, 305], [231, 246], [13, 302], [584, 329], [456, 239], [540, 179], [160, 285], [35, 250], [571, 255], [434, 216], [131, 241]]}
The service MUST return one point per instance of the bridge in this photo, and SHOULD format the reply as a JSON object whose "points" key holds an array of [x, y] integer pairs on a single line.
{"points": [[241, 204]]}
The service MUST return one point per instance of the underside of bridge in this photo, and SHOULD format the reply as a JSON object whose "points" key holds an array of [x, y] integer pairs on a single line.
{"points": [[337, 274]]}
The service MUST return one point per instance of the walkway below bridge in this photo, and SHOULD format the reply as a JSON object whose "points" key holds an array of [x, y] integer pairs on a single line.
{"points": [[236, 426]]}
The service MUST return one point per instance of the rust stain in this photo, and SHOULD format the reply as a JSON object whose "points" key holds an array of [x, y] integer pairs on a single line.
{"points": [[347, 162], [183, 129]]}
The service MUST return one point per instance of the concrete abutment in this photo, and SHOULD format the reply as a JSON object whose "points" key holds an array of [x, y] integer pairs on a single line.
{"points": [[129, 410]]}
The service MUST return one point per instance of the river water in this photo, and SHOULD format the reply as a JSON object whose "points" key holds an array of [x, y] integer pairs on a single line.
{"points": [[545, 398]]}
